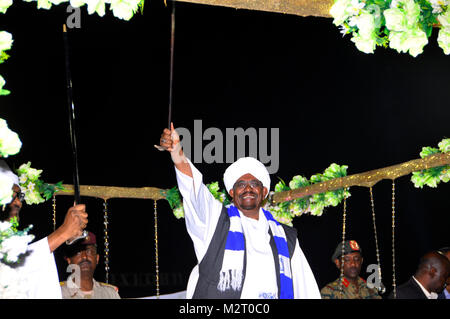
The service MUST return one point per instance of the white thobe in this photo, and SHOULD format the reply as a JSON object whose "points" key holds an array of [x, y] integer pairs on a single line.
{"points": [[41, 272], [202, 213]]}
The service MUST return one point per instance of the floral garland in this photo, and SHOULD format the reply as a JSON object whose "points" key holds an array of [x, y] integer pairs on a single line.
{"points": [[433, 176], [402, 25], [282, 212], [314, 204], [36, 191]]}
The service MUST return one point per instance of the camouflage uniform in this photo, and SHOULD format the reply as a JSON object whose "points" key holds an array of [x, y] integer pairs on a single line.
{"points": [[349, 290], [100, 291]]}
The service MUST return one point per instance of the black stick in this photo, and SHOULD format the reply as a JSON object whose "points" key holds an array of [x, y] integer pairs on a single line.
{"points": [[76, 180], [172, 45]]}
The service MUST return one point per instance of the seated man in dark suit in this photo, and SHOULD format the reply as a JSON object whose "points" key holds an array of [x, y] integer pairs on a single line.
{"points": [[445, 294], [428, 281]]}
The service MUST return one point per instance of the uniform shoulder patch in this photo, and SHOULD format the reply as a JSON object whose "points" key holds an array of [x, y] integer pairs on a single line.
{"points": [[104, 284]]}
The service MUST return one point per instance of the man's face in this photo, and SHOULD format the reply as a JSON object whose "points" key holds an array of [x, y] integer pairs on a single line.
{"points": [[14, 207], [352, 265], [248, 193], [87, 258], [447, 254], [440, 277]]}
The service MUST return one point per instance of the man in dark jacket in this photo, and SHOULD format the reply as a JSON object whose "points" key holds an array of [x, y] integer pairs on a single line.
{"points": [[445, 294], [429, 279]]}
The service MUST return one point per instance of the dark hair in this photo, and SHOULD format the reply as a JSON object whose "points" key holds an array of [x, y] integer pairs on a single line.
{"points": [[434, 259]]}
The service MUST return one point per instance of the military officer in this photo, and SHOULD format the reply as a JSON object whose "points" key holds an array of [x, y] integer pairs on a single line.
{"points": [[353, 286], [81, 283]]}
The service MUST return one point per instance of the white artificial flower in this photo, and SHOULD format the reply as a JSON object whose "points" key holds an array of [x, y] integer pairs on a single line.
{"points": [[22, 178], [366, 24], [352, 21], [444, 40], [396, 41], [33, 173], [395, 19], [77, 3], [44, 4], [355, 7], [6, 192], [96, 6], [56, 2], [364, 44], [438, 5], [412, 12], [124, 9], [394, 3], [4, 5], [2, 82], [339, 11], [5, 40], [444, 19], [4, 226], [15, 246], [30, 187], [10, 143], [33, 198], [415, 41], [444, 145]]}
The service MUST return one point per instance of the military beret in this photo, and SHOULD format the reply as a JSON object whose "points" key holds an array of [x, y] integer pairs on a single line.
{"points": [[89, 239], [80, 244], [350, 246]]}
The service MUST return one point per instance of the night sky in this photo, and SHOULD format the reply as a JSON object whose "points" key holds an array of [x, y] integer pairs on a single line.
{"points": [[233, 68]]}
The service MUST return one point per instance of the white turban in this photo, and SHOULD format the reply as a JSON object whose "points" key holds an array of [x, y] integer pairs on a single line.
{"points": [[6, 172], [246, 165]]}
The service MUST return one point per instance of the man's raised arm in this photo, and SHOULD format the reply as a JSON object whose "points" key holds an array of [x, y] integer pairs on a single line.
{"points": [[170, 140]]}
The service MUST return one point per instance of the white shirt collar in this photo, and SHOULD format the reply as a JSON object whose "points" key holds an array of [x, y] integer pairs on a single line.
{"points": [[429, 295]]}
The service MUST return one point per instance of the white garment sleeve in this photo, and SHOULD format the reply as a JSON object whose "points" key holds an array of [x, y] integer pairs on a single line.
{"points": [[40, 270], [201, 209], [305, 285]]}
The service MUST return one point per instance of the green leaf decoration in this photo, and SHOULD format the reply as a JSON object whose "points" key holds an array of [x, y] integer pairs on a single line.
{"points": [[433, 176], [402, 25], [36, 190]]}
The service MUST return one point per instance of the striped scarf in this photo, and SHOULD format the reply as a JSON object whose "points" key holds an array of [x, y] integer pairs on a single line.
{"points": [[231, 274]]}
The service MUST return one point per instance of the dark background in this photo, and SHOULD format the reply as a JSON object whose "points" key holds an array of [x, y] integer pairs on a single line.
{"points": [[233, 68]]}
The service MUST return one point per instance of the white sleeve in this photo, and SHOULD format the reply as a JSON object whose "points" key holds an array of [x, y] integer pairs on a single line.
{"points": [[40, 270], [305, 285], [201, 209]]}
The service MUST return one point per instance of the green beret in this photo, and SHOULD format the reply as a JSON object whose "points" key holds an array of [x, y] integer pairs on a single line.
{"points": [[350, 246]]}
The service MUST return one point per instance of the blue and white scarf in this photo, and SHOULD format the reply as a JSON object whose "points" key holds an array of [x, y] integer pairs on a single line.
{"points": [[231, 274]]}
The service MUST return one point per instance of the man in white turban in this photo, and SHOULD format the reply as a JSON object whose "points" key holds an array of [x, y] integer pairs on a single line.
{"points": [[242, 251], [39, 268]]}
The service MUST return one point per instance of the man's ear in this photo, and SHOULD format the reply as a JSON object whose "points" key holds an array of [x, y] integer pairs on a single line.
{"points": [[231, 192], [432, 271], [337, 262], [265, 191], [67, 259], [98, 258]]}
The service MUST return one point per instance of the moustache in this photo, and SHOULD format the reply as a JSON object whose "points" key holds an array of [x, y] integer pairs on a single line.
{"points": [[248, 193], [84, 262]]}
